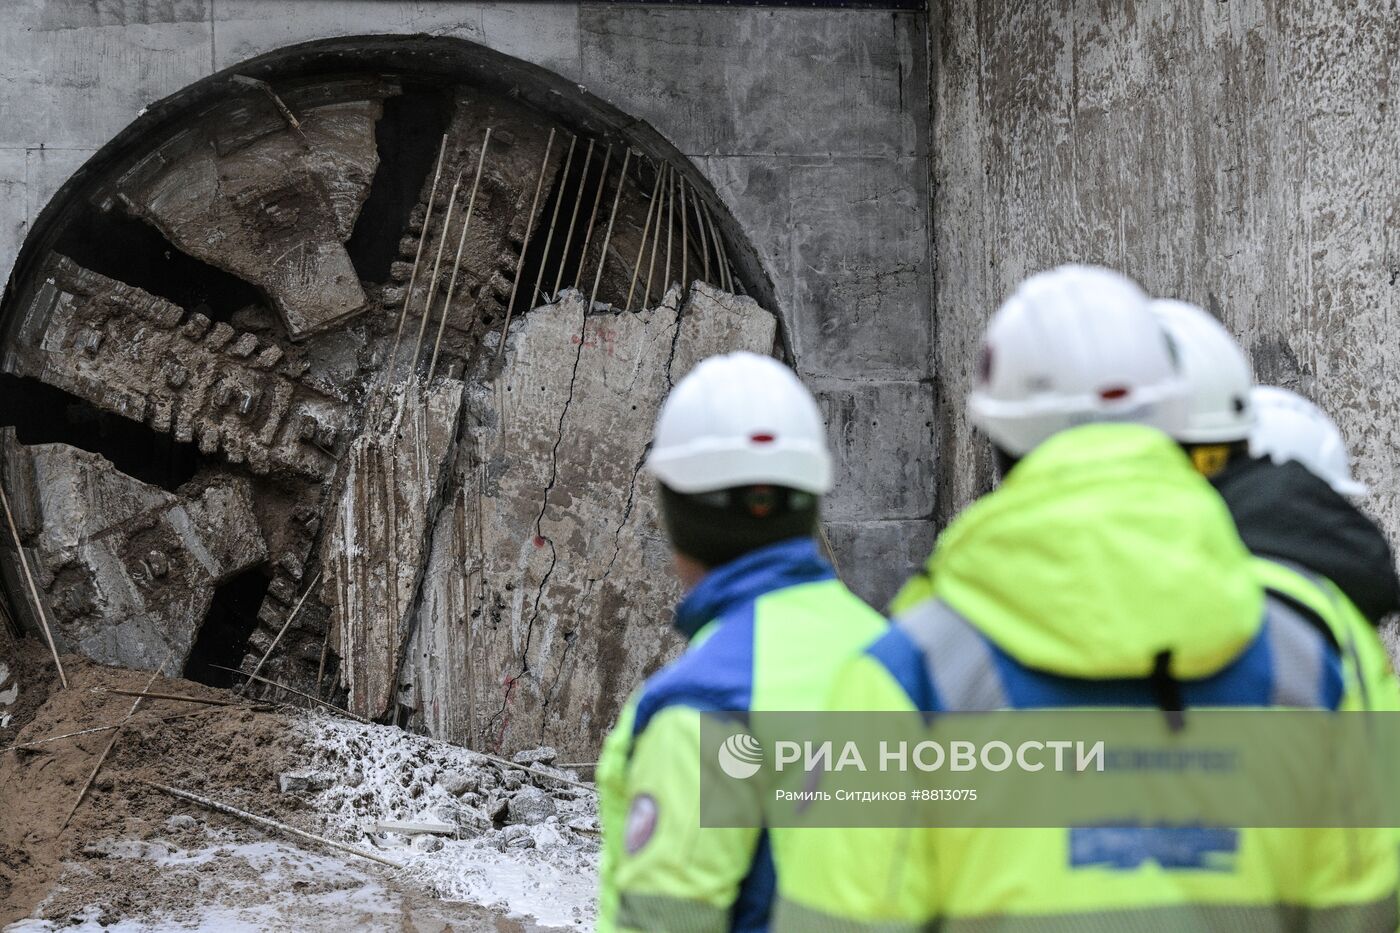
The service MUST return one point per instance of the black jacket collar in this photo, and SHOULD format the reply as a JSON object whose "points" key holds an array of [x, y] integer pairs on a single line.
{"points": [[1286, 512]]}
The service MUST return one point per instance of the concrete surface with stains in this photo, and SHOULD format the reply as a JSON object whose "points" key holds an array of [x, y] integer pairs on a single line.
{"points": [[1237, 155]]}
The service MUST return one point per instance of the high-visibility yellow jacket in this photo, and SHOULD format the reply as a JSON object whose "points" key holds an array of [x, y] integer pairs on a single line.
{"points": [[767, 631], [1103, 564], [1370, 679]]}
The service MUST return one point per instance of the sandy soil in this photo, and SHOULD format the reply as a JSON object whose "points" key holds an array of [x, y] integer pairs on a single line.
{"points": [[133, 858]]}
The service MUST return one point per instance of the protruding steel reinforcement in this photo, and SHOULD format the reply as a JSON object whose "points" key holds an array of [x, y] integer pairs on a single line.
{"points": [[437, 271], [670, 222], [642, 248], [612, 217], [525, 246], [457, 262], [593, 216], [704, 240], [725, 281], [535, 294], [573, 217], [33, 590], [413, 277], [685, 241]]}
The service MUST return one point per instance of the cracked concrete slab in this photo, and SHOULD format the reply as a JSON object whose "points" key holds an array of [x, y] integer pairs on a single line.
{"points": [[373, 560], [562, 592]]}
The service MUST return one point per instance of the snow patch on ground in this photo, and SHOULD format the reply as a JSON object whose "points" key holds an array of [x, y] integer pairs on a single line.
{"points": [[362, 775], [277, 886]]}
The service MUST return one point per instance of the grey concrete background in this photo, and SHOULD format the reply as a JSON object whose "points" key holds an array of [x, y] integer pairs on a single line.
{"points": [[1241, 155], [811, 124]]}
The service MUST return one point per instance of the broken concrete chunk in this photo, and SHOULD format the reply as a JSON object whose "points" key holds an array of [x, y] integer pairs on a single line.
{"points": [[274, 209], [568, 571], [515, 837], [178, 386], [427, 844], [458, 783], [544, 755], [130, 569], [498, 810], [303, 782], [373, 559], [181, 821], [414, 827], [530, 805]]}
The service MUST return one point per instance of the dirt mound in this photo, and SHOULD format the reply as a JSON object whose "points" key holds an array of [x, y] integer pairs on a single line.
{"points": [[231, 753], [29, 674]]}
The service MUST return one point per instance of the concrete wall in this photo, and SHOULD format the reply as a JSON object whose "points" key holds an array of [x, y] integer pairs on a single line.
{"points": [[811, 125], [1240, 155]]}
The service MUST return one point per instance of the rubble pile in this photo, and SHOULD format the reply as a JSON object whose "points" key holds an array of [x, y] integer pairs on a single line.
{"points": [[477, 841], [467, 828]]}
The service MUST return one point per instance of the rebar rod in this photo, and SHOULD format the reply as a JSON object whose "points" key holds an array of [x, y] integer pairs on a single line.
{"points": [[293, 690], [29, 584], [655, 243], [437, 271], [725, 281], [116, 734], [268, 823], [417, 259], [573, 217], [670, 223], [283, 630], [704, 241], [685, 241], [642, 247], [525, 246], [612, 218], [535, 293], [457, 261], [593, 216], [147, 695]]}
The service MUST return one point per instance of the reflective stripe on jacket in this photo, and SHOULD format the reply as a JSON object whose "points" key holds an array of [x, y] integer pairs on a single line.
{"points": [[768, 632], [1102, 562]]}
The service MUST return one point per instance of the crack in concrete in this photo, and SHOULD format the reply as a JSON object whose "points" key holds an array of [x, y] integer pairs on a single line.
{"points": [[641, 460], [539, 531]]}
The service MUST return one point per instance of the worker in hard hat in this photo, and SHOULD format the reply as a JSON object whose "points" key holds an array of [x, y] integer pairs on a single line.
{"points": [[1104, 571], [740, 456], [1301, 463], [1282, 468]]}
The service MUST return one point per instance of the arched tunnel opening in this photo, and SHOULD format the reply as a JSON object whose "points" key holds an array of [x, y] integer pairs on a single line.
{"points": [[264, 356]]}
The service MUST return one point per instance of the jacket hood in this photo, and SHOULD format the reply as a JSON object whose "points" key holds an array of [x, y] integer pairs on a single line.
{"points": [[746, 578], [1102, 549], [1284, 511]]}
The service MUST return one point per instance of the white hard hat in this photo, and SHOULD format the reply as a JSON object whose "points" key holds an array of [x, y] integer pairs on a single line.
{"points": [[1217, 373], [740, 420], [1288, 427], [1074, 345]]}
